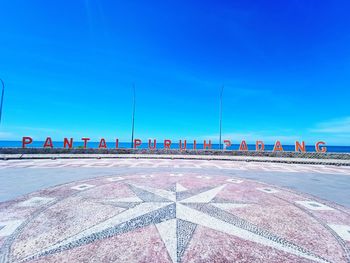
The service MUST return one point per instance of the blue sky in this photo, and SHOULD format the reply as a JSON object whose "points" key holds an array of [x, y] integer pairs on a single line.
{"points": [[69, 66]]}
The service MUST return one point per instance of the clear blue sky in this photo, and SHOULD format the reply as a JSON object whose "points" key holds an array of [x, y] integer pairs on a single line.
{"points": [[69, 68]]}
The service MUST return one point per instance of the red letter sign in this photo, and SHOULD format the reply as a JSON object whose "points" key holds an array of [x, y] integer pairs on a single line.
{"points": [[48, 143], [85, 141], [207, 145], [243, 146], [300, 147], [68, 142], [102, 144], [167, 144], [278, 147], [154, 144], [259, 146], [137, 143], [180, 145], [25, 141], [227, 144], [321, 149]]}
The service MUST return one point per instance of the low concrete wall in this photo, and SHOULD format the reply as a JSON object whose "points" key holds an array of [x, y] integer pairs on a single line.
{"points": [[308, 155]]}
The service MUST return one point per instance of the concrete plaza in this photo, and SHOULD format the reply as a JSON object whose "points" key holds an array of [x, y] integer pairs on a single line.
{"points": [[164, 210]]}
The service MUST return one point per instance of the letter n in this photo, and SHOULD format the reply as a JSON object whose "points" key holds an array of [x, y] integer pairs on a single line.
{"points": [[68, 143], [300, 147]]}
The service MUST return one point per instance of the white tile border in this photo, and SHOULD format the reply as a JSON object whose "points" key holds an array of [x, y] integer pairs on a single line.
{"points": [[267, 190], [235, 181], [36, 201], [342, 230], [313, 205], [9, 227], [115, 179], [176, 174], [203, 177], [82, 187]]}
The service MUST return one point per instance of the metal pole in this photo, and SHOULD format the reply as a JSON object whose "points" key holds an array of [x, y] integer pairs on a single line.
{"points": [[222, 90], [2, 97], [133, 117]]}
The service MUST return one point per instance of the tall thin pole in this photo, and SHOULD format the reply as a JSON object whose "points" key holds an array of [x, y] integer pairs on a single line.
{"points": [[2, 97], [133, 116], [222, 91]]}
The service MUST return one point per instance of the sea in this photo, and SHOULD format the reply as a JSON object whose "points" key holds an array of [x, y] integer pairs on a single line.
{"points": [[125, 145]]}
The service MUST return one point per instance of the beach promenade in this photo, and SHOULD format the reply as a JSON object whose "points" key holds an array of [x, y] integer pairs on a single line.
{"points": [[168, 209]]}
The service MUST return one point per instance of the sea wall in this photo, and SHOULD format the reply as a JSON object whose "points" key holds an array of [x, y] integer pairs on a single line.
{"points": [[311, 155]]}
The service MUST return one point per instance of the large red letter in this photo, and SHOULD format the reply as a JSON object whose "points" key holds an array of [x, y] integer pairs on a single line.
{"points": [[167, 144], [259, 146], [180, 145], [278, 147], [321, 149], [300, 147], [154, 144], [25, 141], [102, 144], [227, 144], [68, 142], [137, 143], [48, 143], [243, 146], [85, 141], [194, 145], [207, 145]]}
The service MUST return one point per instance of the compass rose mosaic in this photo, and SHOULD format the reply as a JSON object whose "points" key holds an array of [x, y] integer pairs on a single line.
{"points": [[169, 217]]}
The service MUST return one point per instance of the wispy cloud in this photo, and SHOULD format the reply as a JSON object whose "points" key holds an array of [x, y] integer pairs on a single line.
{"points": [[336, 126], [7, 135], [252, 136]]}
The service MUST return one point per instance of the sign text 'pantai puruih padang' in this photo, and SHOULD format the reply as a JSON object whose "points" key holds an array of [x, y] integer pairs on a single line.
{"points": [[300, 146]]}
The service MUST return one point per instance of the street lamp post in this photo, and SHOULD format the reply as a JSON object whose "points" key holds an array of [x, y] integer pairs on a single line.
{"points": [[133, 117], [2, 97], [222, 91]]}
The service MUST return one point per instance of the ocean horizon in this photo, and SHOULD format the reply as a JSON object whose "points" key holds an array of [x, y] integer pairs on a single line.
{"points": [[127, 145]]}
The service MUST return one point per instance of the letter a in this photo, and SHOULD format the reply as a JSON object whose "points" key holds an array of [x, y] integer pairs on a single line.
{"points": [[278, 147], [243, 146]]}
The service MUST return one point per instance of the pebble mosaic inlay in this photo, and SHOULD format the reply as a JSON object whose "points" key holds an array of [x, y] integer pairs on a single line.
{"points": [[176, 210]]}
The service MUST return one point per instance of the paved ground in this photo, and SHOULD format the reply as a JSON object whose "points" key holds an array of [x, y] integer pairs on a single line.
{"points": [[135, 210]]}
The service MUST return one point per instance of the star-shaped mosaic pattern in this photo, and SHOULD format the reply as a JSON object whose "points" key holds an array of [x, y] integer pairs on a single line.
{"points": [[176, 213]]}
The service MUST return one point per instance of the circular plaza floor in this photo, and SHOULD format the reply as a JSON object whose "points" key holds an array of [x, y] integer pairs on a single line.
{"points": [[172, 217]]}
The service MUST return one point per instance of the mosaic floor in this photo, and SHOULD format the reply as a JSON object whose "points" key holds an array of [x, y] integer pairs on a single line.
{"points": [[172, 217]]}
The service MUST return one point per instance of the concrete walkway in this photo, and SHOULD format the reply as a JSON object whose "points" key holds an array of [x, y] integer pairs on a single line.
{"points": [[338, 162]]}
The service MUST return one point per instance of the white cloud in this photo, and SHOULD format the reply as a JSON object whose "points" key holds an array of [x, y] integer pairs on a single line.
{"points": [[336, 126], [7, 135], [251, 137]]}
